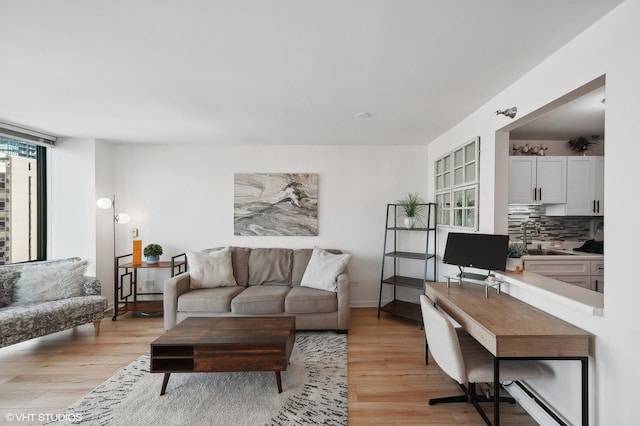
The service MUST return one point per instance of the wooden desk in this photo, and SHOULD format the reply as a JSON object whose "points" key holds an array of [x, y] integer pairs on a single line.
{"points": [[510, 328]]}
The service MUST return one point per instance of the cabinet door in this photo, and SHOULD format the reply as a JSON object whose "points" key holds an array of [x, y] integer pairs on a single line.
{"points": [[585, 186], [551, 180], [597, 283], [522, 180], [599, 185], [583, 281], [554, 268]]}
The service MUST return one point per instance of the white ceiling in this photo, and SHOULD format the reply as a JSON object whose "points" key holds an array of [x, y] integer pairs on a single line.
{"points": [[583, 116], [270, 72]]}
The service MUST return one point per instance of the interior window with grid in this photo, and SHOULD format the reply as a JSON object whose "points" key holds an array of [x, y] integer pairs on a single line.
{"points": [[456, 192]]}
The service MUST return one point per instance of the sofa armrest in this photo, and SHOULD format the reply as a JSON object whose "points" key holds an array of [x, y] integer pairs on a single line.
{"points": [[92, 287], [173, 288], [344, 301]]}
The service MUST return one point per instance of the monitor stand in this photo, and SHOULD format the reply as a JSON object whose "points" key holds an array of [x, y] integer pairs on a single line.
{"points": [[472, 276]]}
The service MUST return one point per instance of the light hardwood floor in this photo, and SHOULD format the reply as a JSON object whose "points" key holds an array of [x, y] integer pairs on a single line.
{"points": [[389, 383]]}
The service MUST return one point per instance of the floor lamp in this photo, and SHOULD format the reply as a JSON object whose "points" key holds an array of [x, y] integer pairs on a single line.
{"points": [[121, 218]]}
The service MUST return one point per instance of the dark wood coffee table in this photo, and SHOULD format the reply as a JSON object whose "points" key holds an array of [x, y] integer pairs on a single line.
{"points": [[224, 344]]}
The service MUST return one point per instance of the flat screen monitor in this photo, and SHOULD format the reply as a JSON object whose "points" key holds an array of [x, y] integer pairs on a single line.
{"points": [[481, 251]]}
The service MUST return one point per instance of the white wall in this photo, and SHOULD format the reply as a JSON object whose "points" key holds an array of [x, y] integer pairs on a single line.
{"points": [[609, 47], [181, 196], [71, 201]]}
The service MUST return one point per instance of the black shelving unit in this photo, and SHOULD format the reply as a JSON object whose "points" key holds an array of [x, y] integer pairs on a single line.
{"points": [[393, 257]]}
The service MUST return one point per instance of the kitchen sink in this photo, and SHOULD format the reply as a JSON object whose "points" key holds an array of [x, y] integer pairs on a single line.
{"points": [[547, 252]]}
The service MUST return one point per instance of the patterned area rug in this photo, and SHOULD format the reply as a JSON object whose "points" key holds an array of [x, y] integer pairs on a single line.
{"points": [[314, 391]]}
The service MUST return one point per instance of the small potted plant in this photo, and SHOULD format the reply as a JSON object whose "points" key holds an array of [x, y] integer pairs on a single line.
{"points": [[152, 252], [514, 257], [411, 207]]}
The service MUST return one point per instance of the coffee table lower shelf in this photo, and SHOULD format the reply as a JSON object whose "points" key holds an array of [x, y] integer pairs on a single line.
{"points": [[229, 344]]}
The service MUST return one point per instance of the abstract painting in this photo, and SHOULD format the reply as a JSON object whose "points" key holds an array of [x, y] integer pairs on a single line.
{"points": [[275, 204]]}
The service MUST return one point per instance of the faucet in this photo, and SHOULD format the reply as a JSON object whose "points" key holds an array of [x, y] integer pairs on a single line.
{"points": [[523, 227]]}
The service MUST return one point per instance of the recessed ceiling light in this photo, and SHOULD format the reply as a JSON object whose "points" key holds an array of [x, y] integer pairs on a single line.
{"points": [[363, 115]]}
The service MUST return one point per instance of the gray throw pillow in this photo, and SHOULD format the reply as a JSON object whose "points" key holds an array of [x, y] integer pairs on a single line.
{"points": [[50, 281], [8, 278]]}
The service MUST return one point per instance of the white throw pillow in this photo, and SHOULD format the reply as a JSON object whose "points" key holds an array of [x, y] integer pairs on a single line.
{"points": [[323, 270], [211, 270], [50, 281]]}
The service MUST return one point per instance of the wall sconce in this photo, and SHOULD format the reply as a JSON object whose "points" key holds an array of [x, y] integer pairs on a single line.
{"points": [[509, 112]]}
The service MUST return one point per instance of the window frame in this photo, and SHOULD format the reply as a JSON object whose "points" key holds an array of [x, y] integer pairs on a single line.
{"points": [[463, 178]]}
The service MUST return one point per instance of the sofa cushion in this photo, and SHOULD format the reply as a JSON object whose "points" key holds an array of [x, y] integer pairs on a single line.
{"points": [[269, 266], [300, 261], [208, 299], [50, 281], [304, 300], [323, 269], [258, 300], [240, 262], [211, 270], [8, 279]]}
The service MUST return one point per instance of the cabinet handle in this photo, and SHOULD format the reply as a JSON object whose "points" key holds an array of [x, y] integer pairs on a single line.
{"points": [[535, 194], [596, 285], [539, 194], [594, 206], [598, 206]]}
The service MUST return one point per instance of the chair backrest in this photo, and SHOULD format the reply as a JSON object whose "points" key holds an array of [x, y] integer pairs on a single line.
{"points": [[443, 341]]}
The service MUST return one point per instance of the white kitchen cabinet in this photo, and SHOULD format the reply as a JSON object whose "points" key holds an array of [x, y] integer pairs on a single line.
{"points": [[588, 274], [585, 186], [537, 180]]}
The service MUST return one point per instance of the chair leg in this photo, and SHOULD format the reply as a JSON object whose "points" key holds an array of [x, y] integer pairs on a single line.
{"points": [[96, 328]]}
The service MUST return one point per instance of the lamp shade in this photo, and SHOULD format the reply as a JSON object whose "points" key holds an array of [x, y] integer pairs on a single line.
{"points": [[103, 203], [122, 218]]}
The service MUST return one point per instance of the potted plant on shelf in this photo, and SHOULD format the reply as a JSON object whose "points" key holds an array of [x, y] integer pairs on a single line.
{"points": [[412, 206], [152, 252], [514, 257]]}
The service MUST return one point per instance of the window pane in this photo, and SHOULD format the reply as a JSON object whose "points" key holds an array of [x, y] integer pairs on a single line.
{"points": [[447, 180], [457, 158], [439, 182], [457, 218], [470, 172], [471, 218], [457, 176], [446, 166], [470, 196], [19, 195], [458, 198], [470, 152]]}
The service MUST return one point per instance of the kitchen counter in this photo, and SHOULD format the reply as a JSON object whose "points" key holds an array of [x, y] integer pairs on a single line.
{"points": [[579, 298], [566, 254]]}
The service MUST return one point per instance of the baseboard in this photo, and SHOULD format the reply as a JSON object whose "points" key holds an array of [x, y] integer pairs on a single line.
{"points": [[536, 412]]}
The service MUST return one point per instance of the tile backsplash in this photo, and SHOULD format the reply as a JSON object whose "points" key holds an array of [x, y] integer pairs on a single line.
{"points": [[565, 228]]}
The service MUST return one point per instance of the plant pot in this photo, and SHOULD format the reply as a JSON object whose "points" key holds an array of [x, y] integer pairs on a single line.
{"points": [[514, 264], [409, 222], [153, 259]]}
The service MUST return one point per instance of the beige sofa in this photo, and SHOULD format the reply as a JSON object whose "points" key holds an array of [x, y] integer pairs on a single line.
{"points": [[268, 283]]}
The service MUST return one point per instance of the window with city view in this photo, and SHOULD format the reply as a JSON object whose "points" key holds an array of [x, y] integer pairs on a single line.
{"points": [[22, 217]]}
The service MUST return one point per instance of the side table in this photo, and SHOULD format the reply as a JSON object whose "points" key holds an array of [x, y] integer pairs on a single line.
{"points": [[125, 288]]}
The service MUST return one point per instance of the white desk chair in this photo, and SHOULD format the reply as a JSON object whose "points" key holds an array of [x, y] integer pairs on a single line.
{"points": [[467, 361]]}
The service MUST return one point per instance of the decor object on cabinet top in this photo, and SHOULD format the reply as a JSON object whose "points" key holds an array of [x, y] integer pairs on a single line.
{"points": [[152, 252], [529, 150], [412, 207], [275, 204], [582, 143]]}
